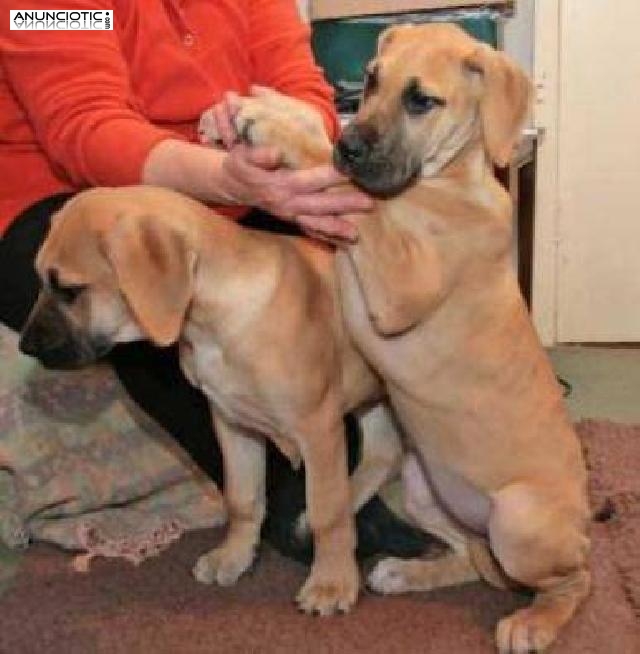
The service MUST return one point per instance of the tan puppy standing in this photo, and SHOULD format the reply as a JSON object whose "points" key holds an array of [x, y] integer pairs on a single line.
{"points": [[258, 320], [430, 298]]}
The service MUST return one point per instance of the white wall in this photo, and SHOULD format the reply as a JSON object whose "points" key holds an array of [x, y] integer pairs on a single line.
{"points": [[303, 6], [519, 34]]}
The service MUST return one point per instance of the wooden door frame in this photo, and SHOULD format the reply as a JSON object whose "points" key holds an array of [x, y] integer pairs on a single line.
{"points": [[547, 116]]}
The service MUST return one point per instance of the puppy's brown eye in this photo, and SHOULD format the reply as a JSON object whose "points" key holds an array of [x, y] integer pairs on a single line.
{"points": [[418, 103], [67, 293]]}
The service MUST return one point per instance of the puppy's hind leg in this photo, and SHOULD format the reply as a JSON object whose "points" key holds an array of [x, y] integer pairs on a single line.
{"points": [[392, 575], [381, 454], [539, 538], [244, 491]]}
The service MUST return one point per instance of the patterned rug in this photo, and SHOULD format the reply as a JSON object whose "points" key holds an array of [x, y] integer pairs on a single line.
{"points": [[81, 468]]}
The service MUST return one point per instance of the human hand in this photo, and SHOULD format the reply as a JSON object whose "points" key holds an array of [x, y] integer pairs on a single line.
{"points": [[310, 197], [216, 123]]}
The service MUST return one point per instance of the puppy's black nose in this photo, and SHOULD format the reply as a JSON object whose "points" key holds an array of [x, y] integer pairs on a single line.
{"points": [[351, 146], [355, 144]]}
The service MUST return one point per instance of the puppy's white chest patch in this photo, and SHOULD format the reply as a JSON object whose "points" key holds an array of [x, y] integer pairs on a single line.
{"points": [[228, 387]]}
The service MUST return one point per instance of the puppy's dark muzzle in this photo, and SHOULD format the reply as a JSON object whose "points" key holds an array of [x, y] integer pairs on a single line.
{"points": [[376, 165], [50, 337], [353, 148]]}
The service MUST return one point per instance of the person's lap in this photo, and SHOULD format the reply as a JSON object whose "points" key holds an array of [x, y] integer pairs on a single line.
{"points": [[19, 284]]}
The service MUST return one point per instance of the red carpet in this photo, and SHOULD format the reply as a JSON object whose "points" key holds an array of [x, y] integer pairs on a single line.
{"points": [[158, 608]]}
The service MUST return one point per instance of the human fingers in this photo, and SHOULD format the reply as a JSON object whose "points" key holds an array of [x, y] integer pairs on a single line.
{"points": [[224, 124], [265, 157], [318, 178], [322, 204], [233, 101], [329, 228]]}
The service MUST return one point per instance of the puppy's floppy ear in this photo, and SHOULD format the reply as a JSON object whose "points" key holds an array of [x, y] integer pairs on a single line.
{"points": [[155, 272], [505, 101]]}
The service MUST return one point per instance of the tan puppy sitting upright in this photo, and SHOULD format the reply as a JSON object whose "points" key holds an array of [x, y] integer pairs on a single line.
{"points": [[430, 298]]}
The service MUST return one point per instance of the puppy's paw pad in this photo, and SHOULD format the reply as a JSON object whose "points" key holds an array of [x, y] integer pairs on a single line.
{"points": [[221, 566], [329, 594], [524, 632], [388, 577]]}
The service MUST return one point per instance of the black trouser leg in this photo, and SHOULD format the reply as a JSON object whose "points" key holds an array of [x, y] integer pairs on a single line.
{"points": [[19, 284], [154, 380]]}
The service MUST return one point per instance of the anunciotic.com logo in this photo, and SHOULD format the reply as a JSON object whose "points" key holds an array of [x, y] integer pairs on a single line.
{"points": [[61, 19]]}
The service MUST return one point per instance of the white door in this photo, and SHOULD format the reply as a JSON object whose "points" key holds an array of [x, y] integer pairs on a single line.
{"points": [[590, 221]]}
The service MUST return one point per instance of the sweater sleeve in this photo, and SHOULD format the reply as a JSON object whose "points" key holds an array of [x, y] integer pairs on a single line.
{"points": [[281, 56], [74, 87]]}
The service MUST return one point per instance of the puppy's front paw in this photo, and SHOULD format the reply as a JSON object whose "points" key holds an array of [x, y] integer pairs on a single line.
{"points": [[389, 577], [526, 631], [271, 119], [223, 565], [328, 591], [259, 124]]}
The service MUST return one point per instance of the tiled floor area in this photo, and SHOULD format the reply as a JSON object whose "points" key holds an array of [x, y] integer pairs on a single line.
{"points": [[605, 381]]}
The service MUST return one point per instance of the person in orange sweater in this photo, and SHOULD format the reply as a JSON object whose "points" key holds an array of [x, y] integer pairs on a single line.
{"points": [[119, 107]]}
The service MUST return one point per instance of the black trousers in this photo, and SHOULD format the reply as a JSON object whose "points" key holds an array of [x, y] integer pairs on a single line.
{"points": [[154, 380]]}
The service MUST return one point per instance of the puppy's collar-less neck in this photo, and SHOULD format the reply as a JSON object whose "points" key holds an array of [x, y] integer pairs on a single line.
{"points": [[472, 155]]}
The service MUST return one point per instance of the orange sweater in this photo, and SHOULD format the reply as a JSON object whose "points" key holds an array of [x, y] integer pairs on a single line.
{"points": [[85, 108]]}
